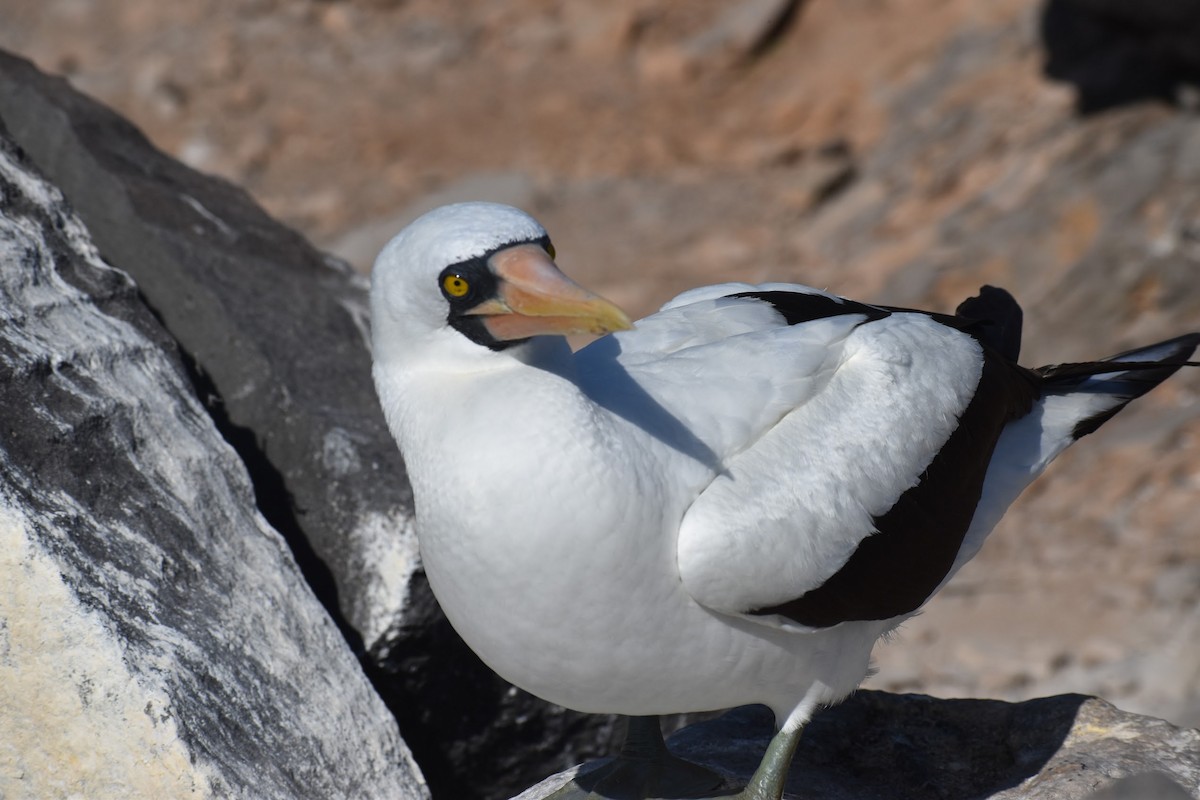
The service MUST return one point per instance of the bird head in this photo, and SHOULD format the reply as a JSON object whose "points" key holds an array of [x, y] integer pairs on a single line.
{"points": [[484, 272]]}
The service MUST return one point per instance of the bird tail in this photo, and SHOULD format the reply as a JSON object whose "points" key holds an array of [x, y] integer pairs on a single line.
{"points": [[1087, 395], [1076, 399]]}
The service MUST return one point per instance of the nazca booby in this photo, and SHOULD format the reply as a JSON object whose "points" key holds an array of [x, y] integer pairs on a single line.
{"points": [[729, 502]]}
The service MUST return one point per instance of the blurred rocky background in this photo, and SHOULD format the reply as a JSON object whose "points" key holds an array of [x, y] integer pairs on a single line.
{"points": [[897, 151]]}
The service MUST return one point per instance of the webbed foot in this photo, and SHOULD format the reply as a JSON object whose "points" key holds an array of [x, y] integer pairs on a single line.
{"points": [[645, 770]]}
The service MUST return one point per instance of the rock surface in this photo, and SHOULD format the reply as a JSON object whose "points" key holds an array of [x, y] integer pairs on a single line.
{"points": [[273, 328], [156, 637], [895, 747]]}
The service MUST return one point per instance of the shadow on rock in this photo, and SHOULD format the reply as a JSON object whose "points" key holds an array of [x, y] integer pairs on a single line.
{"points": [[884, 745], [1117, 53]]}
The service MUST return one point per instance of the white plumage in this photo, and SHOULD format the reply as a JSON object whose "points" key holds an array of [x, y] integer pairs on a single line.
{"points": [[728, 503]]}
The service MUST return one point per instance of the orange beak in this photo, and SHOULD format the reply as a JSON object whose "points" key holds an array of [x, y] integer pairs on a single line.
{"points": [[534, 298]]}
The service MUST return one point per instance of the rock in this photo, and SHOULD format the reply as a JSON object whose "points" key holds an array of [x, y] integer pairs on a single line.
{"points": [[1116, 53], [738, 34], [275, 332], [156, 636], [273, 336], [878, 745], [743, 30], [1146, 786]]}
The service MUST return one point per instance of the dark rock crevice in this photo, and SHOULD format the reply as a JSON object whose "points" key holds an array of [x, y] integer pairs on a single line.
{"points": [[275, 502]]}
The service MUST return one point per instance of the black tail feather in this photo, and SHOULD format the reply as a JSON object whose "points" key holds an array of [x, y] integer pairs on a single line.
{"points": [[1124, 376], [996, 318]]}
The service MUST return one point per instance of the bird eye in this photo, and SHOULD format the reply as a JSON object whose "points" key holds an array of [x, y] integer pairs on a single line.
{"points": [[455, 285]]}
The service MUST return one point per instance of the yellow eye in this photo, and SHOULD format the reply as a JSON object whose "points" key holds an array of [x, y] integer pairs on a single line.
{"points": [[455, 285]]}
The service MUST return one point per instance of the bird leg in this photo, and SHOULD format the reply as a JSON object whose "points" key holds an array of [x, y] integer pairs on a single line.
{"points": [[769, 779], [644, 770]]}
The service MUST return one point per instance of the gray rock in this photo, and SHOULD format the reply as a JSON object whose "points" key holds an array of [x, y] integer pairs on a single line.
{"points": [[275, 332], [156, 636], [1146, 786], [886, 746], [273, 336], [743, 30]]}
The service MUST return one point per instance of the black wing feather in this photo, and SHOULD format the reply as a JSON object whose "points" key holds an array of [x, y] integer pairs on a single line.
{"points": [[917, 541]]}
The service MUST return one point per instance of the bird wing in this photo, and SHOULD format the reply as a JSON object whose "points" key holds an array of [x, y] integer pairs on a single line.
{"points": [[823, 420], [711, 371]]}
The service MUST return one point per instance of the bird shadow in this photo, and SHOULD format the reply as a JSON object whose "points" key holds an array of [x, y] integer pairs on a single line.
{"points": [[607, 382], [877, 745]]}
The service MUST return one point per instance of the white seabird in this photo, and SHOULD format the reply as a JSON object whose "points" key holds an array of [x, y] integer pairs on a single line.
{"points": [[726, 504]]}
